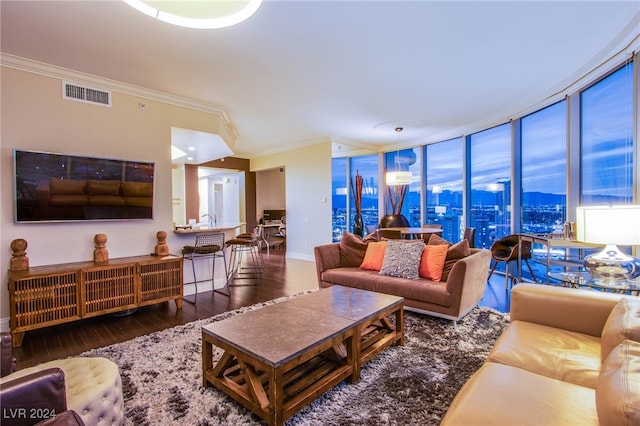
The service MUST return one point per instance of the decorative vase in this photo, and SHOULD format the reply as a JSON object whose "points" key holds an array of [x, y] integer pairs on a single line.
{"points": [[394, 220], [358, 225]]}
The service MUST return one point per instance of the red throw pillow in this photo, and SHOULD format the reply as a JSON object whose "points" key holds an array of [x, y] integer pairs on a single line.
{"points": [[432, 261], [374, 256]]}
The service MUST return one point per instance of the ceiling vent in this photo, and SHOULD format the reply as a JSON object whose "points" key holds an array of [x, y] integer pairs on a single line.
{"points": [[91, 95]]}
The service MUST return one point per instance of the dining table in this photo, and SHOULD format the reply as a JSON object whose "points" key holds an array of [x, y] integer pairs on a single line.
{"points": [[415, 232]]}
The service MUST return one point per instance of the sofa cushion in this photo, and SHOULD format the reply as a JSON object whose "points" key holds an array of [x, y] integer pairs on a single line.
{"points": [[432, 262], [67, 186], [103, 187], [618, 388], [68, 200], [455, 252], [352, 249], [374, 256], [423, 290], [402, 259], [623, 323], [137, 189], [499, 394], [553, 352]]}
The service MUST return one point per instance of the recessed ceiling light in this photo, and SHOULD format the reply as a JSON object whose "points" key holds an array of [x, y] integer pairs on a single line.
{"points": [[191, 148], [197, 13]]}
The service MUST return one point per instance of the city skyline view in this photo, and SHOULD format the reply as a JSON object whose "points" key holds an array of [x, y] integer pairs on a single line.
{"points": [[605, 164]]}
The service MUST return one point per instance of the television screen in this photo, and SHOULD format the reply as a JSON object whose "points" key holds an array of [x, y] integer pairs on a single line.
{"points": [[59, 187]]}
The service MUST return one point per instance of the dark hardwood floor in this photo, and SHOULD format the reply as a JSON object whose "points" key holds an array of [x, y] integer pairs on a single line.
{"points": [[283, 277]]}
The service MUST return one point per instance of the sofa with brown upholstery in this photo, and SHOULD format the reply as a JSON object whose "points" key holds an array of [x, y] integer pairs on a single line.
{"points": [[461, 287], [568, 357]]}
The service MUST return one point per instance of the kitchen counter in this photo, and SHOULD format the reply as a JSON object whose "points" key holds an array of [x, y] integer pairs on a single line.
{"points": [[201, 228]]}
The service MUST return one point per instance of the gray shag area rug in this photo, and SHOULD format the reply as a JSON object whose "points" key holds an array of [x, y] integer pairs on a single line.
{"points": [[404, 385]]}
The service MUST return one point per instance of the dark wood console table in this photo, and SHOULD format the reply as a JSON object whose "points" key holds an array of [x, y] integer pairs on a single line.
{"points": [[54, 294]]}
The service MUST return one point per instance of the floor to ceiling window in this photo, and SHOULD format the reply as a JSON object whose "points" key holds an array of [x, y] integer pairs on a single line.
{"points": [[444, 181], [343, 172], [606, 129], [406, 160], [338, 197], [544, 170], [490, 157], [554, 167], [367, 167]]}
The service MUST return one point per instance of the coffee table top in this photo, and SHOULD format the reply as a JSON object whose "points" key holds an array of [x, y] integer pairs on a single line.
{"points": [[346, 302], [278, 333]]}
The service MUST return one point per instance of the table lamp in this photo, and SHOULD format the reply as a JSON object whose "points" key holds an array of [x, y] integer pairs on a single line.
{"points": [[611, 226]]}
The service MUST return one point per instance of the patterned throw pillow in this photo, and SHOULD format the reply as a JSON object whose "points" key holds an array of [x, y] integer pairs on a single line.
{"points": [[402, 259]]}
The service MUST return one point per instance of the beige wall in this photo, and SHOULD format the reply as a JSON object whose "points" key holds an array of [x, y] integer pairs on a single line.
{"points": [[34, 116], [270, 190], [308, 196]]}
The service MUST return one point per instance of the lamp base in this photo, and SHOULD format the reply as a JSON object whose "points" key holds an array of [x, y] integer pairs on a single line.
{"points": [[611, 264]]}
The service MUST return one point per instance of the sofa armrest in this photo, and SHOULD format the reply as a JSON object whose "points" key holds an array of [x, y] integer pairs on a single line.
{"points": [[8, 362], [34, 397], [582, 311], [327, 257], [468, 278]]}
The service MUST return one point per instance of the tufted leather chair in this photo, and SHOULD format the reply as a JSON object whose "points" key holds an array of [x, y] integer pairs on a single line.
{"points": [[78, 390]]}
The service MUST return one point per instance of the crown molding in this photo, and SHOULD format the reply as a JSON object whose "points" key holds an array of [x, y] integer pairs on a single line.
{"points": [[48, 70]]}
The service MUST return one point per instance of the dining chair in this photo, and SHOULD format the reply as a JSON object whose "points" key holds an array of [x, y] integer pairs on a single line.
{"points": [[470, 235], [508, 249], [390, 234], [371, 228]]}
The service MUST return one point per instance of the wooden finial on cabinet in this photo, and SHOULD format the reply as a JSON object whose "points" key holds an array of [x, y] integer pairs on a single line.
{"points": [[19, 259], [162, 249], [100, 254]]}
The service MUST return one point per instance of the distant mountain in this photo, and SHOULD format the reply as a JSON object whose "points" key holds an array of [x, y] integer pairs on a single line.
{"points": [[485, 198]]}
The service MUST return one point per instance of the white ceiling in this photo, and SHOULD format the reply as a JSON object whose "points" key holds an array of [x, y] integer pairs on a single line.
{"points": [[298, 72]]}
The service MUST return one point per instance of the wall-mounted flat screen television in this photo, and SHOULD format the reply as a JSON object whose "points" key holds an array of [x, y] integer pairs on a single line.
{"points": [[60, 187]]}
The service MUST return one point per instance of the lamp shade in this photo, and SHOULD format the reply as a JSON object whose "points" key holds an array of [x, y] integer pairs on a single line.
{"points": [[619, 225], [197, 13], [398, 178]]}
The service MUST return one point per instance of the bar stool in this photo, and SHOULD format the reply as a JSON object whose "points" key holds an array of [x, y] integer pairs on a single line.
{"points": [[245, 248], [210, 245]]}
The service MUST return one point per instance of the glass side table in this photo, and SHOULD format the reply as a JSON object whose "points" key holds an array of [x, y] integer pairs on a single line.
{"points": [[582, 279]]}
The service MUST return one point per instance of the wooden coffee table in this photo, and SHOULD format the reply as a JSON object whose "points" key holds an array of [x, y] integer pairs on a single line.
{"points": [[279, 358]]}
